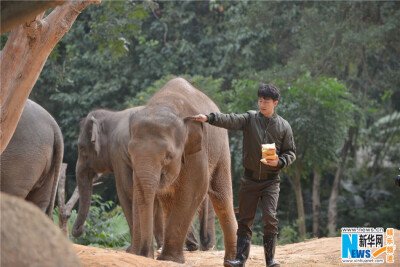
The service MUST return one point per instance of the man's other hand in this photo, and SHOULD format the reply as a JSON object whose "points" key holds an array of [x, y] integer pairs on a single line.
{"points": [[270, 162]]}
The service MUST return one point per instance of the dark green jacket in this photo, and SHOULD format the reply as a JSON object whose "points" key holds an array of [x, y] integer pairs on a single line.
{"points": [[258, 129]]}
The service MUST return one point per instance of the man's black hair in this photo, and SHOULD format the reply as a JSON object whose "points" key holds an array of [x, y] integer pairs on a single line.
{"points": [[269, 91]]}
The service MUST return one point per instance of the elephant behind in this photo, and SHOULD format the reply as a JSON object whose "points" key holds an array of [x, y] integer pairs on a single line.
{"points": [[31, 163], [102, 148]]}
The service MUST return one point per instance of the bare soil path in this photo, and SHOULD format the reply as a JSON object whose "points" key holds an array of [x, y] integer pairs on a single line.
{"points": [[313, 252]]}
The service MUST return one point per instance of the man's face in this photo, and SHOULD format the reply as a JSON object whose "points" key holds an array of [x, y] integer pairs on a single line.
{"points": [[267, 106]]}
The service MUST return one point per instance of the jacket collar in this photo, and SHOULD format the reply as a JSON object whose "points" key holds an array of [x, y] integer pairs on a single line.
{"points": [[259, 114]]}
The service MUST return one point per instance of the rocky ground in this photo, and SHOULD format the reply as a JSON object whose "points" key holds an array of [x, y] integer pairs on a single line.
{"points": [[314, 252]]}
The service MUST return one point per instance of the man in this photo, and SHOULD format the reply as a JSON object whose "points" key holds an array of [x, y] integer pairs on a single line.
{"points": [[261, 179]]}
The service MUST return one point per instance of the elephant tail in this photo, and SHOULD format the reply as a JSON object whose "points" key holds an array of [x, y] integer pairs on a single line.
{"points": [[203, 216], [207, 227], [58, 154]]}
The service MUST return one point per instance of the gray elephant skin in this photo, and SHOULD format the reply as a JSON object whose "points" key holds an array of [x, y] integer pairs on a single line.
{"points": [[103, 148], [30, 238], [31, 163], [179, 161]]}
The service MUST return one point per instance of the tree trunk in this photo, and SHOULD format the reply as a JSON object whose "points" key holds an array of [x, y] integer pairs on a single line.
{"points": [[295, 181], [332, 207], [316, 203], [64, 211], [23, 57]]}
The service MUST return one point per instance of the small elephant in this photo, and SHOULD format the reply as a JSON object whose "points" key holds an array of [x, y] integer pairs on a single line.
{"points": [[31, 163], [29, 238], [103, 148], [178, 161]]}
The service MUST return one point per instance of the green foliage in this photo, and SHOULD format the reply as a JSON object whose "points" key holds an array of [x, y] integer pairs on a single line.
{"points": [[288, 235], [243, 96], [385, 136], [113, 34], [366, 203], [323, 105], [3, 40], [103, 227]]}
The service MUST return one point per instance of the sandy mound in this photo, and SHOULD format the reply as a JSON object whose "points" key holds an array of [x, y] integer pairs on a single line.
{"points": [[314, 252]]}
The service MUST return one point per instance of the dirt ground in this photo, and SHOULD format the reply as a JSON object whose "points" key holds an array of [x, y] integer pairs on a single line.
{"points": [[313, 252]]}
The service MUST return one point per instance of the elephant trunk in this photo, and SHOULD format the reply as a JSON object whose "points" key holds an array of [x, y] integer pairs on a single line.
{"points": [[84, 180], [145, 192]]}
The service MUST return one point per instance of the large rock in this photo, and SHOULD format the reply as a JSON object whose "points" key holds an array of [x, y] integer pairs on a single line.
{"points": [[30, 238]]}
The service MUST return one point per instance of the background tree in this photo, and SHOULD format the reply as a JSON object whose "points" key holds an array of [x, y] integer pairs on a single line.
{"points": [[323, 105]]}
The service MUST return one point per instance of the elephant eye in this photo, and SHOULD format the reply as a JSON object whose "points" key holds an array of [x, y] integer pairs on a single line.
{"points": [[167, 158]]}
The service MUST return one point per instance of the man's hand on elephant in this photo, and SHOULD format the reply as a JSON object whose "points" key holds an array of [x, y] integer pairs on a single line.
{"points": [[200, 118]]}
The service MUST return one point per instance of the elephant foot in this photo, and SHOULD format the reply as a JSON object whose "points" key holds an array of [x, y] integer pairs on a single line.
{"points": [[191, 248], [130, 250], [230, 253], [177, 258], [208, 247], [230, 257]]}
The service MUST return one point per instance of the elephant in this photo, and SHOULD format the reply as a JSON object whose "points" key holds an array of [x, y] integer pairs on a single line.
{"points": [[30, 238], [178, 161], [103, 148], [31, 163]]}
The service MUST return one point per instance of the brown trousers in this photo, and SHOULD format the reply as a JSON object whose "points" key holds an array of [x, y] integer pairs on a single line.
{"points": [[250, 192]]}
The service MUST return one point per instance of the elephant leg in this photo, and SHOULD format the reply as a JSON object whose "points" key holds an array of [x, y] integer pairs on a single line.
{"points": [[135, 235], [186, 201], [191, 241], [41, 195], [166, 203], [158, 223], [220, 193], [124, 184]]}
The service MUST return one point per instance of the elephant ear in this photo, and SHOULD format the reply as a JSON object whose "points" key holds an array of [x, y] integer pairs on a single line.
{"points": [[194, 137], [95, 139]]}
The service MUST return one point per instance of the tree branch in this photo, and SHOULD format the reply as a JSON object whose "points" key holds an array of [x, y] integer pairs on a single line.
{"points": [[23, 58], [14, 13]]}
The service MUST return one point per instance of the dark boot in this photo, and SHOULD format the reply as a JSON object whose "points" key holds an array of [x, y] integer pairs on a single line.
{"points": [[269, 250], [243, 250]]}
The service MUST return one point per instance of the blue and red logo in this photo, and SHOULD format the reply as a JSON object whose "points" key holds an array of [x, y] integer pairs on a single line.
{"points": [[365, 245]]}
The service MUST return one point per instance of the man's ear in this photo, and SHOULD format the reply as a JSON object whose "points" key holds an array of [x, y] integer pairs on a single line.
{"points": [[194, 137], [96, 134]]}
